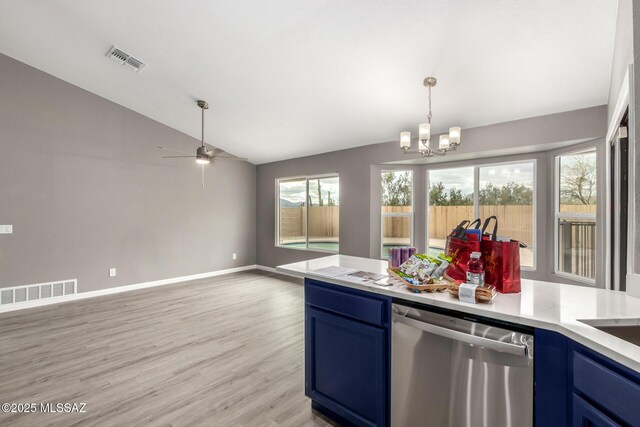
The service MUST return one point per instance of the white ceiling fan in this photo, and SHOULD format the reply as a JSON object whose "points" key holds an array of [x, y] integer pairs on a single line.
{"points": [[206, 153]]}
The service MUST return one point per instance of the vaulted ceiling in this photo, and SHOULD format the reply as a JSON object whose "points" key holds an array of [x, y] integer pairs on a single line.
{"points": [[288, 78]]}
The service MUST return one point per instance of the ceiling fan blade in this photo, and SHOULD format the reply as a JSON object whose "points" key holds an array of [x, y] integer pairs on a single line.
{"points": [[179, 157], [170, 149]]}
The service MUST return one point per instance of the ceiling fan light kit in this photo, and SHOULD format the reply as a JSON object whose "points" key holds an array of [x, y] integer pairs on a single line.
{"points": [[204, 155], [447, 142]]}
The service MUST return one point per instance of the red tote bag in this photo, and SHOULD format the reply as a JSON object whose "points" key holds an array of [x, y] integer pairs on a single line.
{"points": [[459, 248], [501, 260]]}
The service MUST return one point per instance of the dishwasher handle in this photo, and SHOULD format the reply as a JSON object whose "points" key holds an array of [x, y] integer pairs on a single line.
{"points": [[500, 346]]}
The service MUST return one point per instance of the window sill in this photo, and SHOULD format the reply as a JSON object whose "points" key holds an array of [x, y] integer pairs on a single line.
{"points": [[577, 279], [324, 251]]}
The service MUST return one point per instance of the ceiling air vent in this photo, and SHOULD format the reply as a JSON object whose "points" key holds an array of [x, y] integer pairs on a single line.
{"points": [[125, 59], [134, 63]]}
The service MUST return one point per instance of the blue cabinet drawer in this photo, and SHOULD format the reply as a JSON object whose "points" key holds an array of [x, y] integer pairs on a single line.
{"points": [[369, 308], [586, 415], [614, 393]]}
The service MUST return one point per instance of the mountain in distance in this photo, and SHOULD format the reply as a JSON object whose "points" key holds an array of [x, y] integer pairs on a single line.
{"points": [[284, 203]]}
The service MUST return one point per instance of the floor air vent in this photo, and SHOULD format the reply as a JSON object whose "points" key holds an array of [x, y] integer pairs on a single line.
{"points": [[38, 291], [125, 59]]}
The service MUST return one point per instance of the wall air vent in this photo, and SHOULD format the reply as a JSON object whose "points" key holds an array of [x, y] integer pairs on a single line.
{"points": [[124, 58], [38, 291]]}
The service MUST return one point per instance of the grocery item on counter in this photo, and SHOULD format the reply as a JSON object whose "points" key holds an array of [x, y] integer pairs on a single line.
{"points": [[398, 256], [405, 254], [475, 269], [434, 263], [423, 273], [439, 272], [415, 285], [503, 256], [411, 265], [483, 294]]}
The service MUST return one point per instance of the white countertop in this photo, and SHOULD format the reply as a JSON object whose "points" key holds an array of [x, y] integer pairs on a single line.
{"points": [[552, 306]]}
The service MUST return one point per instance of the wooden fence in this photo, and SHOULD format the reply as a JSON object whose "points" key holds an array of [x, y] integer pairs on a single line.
{"points": [[324, 221], [397, 228], [515, 221]]}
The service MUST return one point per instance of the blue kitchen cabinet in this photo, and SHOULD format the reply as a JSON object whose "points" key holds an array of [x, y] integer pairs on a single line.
{"points": [[579, 387], [347, 351], [585, 415], [550, 376]]}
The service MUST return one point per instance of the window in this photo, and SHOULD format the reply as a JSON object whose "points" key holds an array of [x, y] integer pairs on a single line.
{"points": [[505, 190], [575, 216], [309, 213], [396, 210], [450, 201]]}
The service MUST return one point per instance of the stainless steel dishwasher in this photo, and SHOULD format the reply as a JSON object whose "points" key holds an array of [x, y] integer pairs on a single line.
{"points": [[458, 372]]}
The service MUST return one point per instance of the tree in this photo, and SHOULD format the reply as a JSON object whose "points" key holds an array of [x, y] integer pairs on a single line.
{"points": [[456, 198], [437, 196], [511, 193], [330, 201], [578, 180], [396, 189]]}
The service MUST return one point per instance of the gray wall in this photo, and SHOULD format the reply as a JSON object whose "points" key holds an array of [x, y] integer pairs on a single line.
{"points": [[635, 151], [622, 53], [355, 167], [86, 190]]}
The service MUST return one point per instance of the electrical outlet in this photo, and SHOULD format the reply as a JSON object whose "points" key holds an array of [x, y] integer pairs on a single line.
{"points": [[112, 272], [234, 256], [6, 229]]}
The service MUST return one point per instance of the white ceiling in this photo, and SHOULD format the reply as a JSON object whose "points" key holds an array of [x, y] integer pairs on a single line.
{"points": [[288, 78]]}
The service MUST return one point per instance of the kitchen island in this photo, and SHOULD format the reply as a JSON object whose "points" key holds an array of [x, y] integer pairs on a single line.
{"points": [[581, 371]]}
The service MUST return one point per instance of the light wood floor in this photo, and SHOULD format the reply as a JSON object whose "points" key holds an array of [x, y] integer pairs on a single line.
{"points": [[225, 351]]}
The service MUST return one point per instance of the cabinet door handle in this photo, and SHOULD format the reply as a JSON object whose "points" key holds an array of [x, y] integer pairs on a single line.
{"points": [[500, 346]]}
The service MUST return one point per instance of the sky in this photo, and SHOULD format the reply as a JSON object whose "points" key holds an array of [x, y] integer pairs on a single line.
{"points": [[295, 190], [498, 175]]}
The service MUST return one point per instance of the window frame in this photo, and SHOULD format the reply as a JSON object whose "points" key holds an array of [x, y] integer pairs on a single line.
{"points": [[277, 211], [557, 215], [427, 198], [476, 200], [411, 214]]}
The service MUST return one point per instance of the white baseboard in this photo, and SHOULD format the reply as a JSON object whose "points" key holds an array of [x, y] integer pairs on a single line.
{"points": [[91, 294]]}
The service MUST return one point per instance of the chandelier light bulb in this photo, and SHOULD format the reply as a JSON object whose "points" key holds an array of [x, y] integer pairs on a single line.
{"points": [[424, 130], [454, 135], [405, 140], [444, 142]]}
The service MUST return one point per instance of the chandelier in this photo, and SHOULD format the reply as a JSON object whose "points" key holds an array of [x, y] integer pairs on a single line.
{"points": [[446, 143]]}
